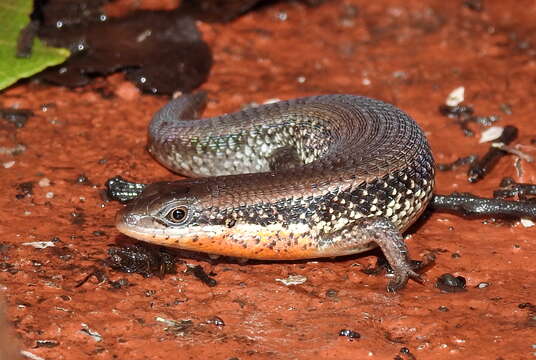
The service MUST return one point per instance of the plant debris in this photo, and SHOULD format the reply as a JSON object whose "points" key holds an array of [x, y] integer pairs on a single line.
{"points": [[97, 273], [26, 39], [18, 117], [465, 204], [470, 159], [200, 273], [511, 189], [119, 189], [177, 327], [216, 321], [22, 55], [160, 51], [481, 168], [531, 313], [224, 11], [475, 5], [464, 114], [350, 334], [25, 190], [144, 259], [217, 11]]}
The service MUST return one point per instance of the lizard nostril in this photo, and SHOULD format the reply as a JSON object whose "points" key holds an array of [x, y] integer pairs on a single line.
{"points": [[126, 218], [130, 219]]}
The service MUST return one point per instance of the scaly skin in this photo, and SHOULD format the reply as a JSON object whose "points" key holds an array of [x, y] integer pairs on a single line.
{"points": [[312, 177]]}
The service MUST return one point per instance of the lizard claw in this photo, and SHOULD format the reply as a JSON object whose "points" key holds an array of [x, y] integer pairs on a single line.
{"points": [[401, 279]]}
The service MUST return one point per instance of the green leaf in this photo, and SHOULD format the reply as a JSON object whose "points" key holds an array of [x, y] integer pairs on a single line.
{"points": [[14, 16]]}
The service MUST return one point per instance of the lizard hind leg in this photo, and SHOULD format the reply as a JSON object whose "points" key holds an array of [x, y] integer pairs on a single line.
{"points": [[370, 231], [284, 158]]}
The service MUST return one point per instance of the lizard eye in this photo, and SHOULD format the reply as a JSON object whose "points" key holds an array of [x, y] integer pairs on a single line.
{"points": [[177, 215]]}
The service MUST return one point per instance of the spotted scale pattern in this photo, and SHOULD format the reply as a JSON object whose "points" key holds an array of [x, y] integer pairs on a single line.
{"points": [[355, 158]]}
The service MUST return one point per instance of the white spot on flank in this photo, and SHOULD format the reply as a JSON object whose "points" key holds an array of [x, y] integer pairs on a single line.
{"points": [[341, 223]]}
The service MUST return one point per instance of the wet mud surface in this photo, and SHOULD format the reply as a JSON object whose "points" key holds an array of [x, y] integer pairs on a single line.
{"points": [[56, 228]]}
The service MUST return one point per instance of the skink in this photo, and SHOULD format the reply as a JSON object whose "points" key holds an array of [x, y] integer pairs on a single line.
{"points": [[313, 177]]}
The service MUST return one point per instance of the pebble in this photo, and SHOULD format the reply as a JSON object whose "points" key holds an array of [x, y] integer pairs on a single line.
{"points": [[44, 182]]}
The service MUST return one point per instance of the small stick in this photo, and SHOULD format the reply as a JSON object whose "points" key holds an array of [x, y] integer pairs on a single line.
{"points": [[509, 189], [470, 159], [482, 167], [466, 204]]}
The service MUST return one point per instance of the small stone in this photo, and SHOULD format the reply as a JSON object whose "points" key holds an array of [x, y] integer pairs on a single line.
{"points": [[455, 97], [351, 334], [293, 280], [491, 134], [39, 244], [449, 283], [331, 293], [526, 222], [44, 182]]}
